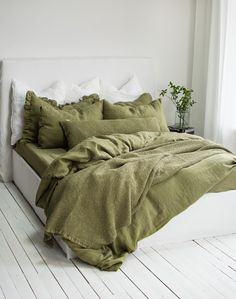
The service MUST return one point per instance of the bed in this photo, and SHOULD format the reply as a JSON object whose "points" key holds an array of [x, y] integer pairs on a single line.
{"points": [[191, 224]]}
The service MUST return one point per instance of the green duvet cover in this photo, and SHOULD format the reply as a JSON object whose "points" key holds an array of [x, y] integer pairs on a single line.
{"points": [[108, 192]]}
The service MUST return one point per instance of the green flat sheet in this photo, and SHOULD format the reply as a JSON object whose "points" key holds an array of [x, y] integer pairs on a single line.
{"points": [[108, 192], [39, 159]]}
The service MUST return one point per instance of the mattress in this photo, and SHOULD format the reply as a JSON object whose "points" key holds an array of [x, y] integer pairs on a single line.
{"points": [[39, 159]]}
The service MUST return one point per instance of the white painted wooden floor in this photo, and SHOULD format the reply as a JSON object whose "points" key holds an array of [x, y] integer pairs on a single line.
{"points": [[29, 269]]}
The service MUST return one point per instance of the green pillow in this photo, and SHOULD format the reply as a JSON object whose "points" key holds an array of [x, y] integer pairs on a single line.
{"points": [[77, 131], [83, 103], [144, 99], [50, 131], [32, 114], [118, 111]]}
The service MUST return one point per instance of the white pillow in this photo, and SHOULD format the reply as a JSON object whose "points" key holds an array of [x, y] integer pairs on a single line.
{"points": [[75, 92], [57, 92], [128, 92], [132, 87]]}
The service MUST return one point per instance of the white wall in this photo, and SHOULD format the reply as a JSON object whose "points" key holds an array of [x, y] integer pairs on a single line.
{"points": [[162, 29]]}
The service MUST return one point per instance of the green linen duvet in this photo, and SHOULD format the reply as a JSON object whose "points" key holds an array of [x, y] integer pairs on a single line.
{"points": [[110, 191]]}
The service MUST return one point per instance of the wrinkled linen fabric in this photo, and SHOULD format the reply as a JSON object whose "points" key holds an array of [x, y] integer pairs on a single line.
{"points": [[110, 191]]}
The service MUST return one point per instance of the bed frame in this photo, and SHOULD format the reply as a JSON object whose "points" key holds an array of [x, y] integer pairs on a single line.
{"points": [[212, 215]]}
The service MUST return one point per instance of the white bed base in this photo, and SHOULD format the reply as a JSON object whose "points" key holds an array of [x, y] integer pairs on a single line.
{"points": [[212, 215]]}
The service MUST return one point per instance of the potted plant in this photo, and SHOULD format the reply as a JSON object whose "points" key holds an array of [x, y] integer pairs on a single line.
{"points": [[181, 97]]}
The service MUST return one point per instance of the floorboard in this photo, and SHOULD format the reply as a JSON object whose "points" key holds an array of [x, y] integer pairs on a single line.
{"points": [[201, 269]]}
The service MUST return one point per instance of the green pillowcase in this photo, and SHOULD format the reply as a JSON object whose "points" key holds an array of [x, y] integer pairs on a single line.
{"points": [[77, 131], [50, 132], [32, 114], [144, 99], [83, 103], [120, 111]]}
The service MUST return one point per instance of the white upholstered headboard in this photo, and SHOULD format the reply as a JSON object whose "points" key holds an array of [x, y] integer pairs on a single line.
{"points": [[40, 73]]}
